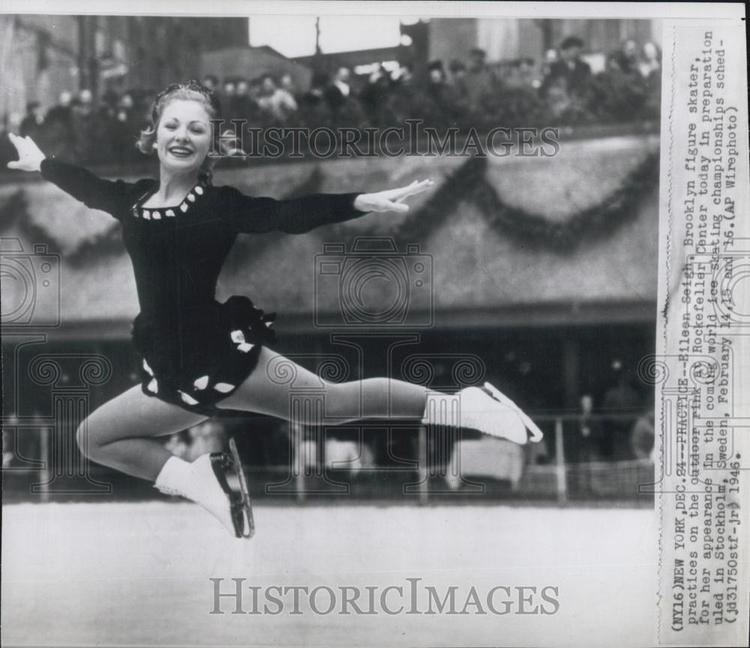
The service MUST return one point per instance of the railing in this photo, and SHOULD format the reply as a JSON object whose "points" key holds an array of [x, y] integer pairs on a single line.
{"points": [[457, 466], [628, 478]]}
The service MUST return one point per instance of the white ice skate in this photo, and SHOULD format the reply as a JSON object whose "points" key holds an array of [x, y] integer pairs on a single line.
{"points": [[535, 434], [490, 411]]}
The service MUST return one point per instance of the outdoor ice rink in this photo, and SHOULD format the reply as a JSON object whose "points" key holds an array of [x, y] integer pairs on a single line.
{"points": [[138, 573]]}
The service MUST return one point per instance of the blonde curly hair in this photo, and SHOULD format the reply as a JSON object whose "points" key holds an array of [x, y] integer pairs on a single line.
{"points": [[223, 143]]}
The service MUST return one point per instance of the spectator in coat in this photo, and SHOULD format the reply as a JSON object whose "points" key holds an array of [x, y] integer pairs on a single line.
{"points": [[375, 94], [85, 131], [643, 435], [33, 121], [59, 125], [581, 442], [458, 76], [242, 103], [620, 401], [439, 95], [650, 66], [339, 91], [589, 431], [570, 71], [479, 78], [629, 63]]}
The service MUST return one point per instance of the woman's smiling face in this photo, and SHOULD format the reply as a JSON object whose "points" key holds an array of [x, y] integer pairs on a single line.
{"points": [[183, 138]]}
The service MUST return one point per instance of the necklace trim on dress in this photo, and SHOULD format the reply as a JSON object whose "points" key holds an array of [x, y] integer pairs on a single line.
{"points": [[163, 213]]}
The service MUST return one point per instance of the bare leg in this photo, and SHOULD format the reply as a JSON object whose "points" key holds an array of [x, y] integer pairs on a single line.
{"points": [[281, 388], [119, 433], [276, 380]]}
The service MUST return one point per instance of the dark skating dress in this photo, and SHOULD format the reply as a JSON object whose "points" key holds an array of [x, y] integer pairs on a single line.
{"points": [[194, 350]]}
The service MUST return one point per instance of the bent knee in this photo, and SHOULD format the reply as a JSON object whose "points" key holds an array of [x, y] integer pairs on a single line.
{"points": [[87, 440]]}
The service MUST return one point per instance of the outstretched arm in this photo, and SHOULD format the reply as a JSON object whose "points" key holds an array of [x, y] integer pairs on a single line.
{"points": [[299, 215], [90, 189]]}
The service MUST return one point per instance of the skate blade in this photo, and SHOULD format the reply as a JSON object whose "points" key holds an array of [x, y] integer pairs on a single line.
{"points": [[248, 530], [228, 471], [535, 434]]}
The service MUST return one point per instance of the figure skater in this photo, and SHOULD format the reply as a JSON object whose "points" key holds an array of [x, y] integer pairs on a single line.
{"points": [[200, 357]]}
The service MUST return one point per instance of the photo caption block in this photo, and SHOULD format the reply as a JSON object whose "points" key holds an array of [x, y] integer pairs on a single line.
{"points": [[702, 362]]}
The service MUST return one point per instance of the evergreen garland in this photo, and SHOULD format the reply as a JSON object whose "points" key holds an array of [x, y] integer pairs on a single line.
{"points": [[107, 243], [14, 213], [594, 222], [468, 183]]}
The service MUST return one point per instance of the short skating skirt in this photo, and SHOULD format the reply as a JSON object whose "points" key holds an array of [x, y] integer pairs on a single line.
{"points": [[205, 356]]}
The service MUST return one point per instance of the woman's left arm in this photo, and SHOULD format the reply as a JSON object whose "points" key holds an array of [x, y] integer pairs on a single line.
{"points": [[299, 215]]}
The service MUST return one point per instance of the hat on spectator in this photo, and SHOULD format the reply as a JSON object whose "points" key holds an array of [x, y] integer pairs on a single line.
{"points": [[436, 64], [478, 51], [571, 41]]}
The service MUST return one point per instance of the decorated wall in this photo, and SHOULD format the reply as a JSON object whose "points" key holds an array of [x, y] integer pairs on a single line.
{"points": [[495, 234]]}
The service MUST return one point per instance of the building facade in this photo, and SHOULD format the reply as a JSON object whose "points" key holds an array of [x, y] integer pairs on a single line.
{"points": [[42, 56]]}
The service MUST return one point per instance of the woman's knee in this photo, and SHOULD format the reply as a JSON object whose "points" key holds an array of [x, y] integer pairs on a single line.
{"points": [[85, 439], [90, 438]]}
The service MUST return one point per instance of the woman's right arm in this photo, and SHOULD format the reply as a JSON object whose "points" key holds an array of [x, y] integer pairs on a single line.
{"points": [[90, 189]]}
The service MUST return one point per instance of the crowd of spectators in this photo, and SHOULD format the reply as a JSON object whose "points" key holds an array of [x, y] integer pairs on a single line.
{"points": [[559, 90]]}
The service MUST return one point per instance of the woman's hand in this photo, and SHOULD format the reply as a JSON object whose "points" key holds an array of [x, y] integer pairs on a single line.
{"points": [[30, 155], [391, 200]]}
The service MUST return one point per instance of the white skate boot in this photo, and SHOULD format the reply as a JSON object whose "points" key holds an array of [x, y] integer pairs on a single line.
{"points": [[490, 411], [216, 482]]}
